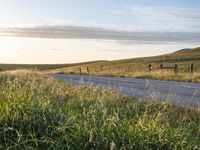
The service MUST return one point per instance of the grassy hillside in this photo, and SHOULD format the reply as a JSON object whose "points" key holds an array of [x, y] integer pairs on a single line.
{"points": [[39, 66], [35, 67], [41, 113], [183, 58], [139, 67]]}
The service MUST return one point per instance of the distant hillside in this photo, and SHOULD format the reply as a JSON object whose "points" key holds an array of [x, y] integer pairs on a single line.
{"points": [[189, 50], [24, 66], [182, 57], [39, 66]]}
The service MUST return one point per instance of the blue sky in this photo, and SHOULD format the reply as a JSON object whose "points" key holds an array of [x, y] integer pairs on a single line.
{"points": [[82, 12], [114, 29]]}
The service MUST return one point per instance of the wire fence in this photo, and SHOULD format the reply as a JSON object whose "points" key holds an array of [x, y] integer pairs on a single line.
{"points": [[176, 68]]}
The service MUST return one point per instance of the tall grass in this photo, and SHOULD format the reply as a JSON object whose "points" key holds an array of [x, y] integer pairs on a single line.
{"points": [[139, 67], [168, 75], [41, 113], [156, 75]]}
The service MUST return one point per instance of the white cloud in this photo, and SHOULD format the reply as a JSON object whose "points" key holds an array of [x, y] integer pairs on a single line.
{"points": [[151, 24], [83, 32]]}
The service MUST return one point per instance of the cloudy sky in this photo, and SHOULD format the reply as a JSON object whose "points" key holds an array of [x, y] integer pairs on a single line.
{"points": [[66, 31]]}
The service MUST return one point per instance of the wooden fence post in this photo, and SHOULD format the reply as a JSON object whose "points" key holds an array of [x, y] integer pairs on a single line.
{"points": [[88, 71], [101, 68], [161, 66], [150, 67], [176, 68], [192, 68]]}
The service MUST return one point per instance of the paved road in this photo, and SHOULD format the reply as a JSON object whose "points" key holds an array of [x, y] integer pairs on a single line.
{"points": [[178, 92]]}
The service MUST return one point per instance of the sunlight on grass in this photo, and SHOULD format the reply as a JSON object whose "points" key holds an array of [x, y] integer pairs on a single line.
{"points": [[168, 75], [139, 67], [156, 75], [37, 112]]}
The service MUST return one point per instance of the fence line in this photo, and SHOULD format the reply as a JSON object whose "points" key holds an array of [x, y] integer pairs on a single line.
{"points": [[175, 68]]}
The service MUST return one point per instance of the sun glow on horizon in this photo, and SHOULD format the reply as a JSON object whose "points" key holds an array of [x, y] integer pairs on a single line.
{"points": [[25, 50], [67, 31]]}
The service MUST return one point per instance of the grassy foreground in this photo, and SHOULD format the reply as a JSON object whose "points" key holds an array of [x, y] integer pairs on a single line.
{"points": [[41, 113]]}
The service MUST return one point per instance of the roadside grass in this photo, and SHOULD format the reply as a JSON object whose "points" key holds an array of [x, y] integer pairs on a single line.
{"points": [[42, 113], [168, 75], [155, 75]]}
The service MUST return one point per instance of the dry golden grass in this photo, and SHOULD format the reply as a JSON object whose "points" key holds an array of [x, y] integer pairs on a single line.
{"points": [[138, 67], [156, 75], [168, 75]]}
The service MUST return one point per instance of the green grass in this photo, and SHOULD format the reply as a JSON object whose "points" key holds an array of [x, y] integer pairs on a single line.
{"points": [[41, 113]]}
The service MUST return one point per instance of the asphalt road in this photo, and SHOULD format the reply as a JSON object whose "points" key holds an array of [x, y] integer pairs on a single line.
{"points": [[178, 92]]}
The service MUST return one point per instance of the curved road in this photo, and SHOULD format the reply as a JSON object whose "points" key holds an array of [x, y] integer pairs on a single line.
{"points": [[180, 93]]}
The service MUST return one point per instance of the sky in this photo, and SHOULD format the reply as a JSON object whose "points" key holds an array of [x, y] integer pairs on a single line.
{"points": [[66, 31]]}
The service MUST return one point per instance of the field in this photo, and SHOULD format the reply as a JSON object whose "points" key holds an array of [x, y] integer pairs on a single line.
{"points": [[41, 67], [38, 112], [134, 68], [139, 67]]}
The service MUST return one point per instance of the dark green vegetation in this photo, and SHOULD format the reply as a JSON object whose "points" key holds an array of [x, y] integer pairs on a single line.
{"points": [[41, 113]]}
